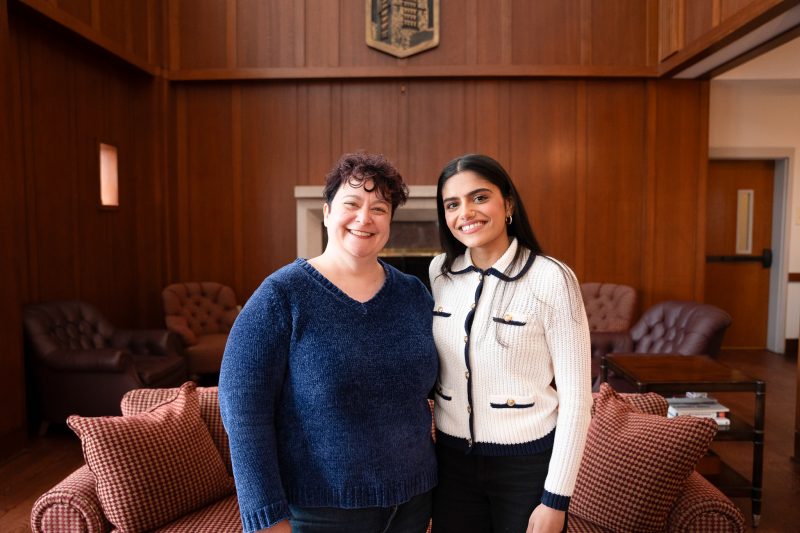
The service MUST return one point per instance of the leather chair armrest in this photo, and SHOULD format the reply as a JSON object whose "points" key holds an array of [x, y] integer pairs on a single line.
{"points": [[702, 507], [180, 326], [606, 342], [90, 360], [72, 505], [146, 341]]}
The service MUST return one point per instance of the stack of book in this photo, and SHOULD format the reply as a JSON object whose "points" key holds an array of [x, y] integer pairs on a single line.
{"points": [[706, 407]]}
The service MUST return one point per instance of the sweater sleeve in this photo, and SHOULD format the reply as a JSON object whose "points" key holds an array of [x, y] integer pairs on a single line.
{"points": [[567, 334], [251, 378]]}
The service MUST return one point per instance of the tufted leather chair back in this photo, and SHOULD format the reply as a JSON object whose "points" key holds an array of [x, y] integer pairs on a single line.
{"points": [[70, 325], [681, 327], [609, 307], [199, 308]]}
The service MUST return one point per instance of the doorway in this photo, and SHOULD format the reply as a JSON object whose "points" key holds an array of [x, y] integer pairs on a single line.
{"points": [[749, 188]]}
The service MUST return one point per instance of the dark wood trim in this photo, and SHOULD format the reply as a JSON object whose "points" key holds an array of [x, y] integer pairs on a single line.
{"points": [[749, 18], [702, 184], [794, 277], [449, 71], [773, 43], [790, 348], [90, 34]]}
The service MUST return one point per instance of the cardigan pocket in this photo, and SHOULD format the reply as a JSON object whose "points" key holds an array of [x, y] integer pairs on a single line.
{"points": [[443, 392], [510, 401], [511, 318], [438, 310]]}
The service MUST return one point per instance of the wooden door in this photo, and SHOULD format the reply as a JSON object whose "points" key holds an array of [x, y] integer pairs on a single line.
{"points": [[740, 288]]}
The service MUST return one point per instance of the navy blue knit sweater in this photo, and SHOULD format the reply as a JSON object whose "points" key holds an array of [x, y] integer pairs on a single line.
{"points": [[324, 398]]}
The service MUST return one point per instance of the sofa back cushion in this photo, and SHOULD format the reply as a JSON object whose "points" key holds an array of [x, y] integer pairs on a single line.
{"points": [[156, 466], [635, 464], [141, 400]]}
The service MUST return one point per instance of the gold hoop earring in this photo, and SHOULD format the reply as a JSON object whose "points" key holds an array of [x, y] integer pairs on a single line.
{"points": [[509, 220]]}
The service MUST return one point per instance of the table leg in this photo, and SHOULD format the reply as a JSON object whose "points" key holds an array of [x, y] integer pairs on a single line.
{"points": [[603, 370], [758, 450]]}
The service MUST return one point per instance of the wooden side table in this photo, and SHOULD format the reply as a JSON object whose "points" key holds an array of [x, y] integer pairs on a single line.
{"points": [[667, 373]]}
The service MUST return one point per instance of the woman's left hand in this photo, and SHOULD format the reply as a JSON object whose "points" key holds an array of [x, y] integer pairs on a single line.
{"points": [[545, 519]]}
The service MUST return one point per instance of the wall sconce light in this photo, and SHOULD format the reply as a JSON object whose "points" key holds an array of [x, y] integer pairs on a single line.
{"points": [[109, 176]]}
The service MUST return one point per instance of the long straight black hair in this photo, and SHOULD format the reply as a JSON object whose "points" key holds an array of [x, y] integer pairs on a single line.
{"points": [[492, 171]]}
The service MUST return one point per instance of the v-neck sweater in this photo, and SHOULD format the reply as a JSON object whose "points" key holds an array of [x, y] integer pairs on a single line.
{"points": [[503, 337], [324, 398]]}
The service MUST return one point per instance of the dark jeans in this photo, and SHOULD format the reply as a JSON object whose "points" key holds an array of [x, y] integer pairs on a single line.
{"points": [[482, 494], [409, 517]]}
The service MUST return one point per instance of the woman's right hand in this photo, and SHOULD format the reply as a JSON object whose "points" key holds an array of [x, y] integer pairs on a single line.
{"points": [[281, 527]]}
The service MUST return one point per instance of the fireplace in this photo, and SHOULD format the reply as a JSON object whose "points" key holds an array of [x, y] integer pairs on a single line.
{"points": [[413, 242]]}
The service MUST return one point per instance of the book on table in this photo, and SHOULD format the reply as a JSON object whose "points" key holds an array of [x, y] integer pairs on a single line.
{"points": [[701, 407]]}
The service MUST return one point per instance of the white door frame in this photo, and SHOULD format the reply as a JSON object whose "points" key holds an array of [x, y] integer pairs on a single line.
{"points": [[781, 227]]}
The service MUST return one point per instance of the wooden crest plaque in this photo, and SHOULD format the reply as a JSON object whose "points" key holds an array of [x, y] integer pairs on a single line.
{"points": [[402, 27]]}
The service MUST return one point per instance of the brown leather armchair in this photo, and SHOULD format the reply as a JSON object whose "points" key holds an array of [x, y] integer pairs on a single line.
{"points": [[81, 364], [609, 307], [202, 314], [677, 327]]}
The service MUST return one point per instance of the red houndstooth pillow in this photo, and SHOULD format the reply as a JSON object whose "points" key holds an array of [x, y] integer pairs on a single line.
{"points": [[635, 464], [154, 467]]}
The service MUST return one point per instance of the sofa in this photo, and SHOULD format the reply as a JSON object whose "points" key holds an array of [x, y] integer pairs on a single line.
{"points": [[74, 504]]}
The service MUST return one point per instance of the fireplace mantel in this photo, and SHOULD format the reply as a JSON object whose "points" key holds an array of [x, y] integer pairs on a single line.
{"points": [[421, 206]]}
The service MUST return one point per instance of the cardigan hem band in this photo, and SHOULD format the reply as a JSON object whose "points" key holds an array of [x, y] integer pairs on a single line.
{"points": [[498, 450], [386, 495]]}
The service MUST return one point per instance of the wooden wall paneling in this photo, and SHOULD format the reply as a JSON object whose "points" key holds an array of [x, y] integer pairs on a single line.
{"points": [[114, 19], [52, 203], [12, 393], [209, 204], [199, 30], [322, 140], [646, 298], [581, 179], [237, 116], [546, 32], [369, 118], [269, 174], [141, 27], [493, 32], [542, 161], [702, 188], [616, 158], [106, 24], [80, 9], [322, 33], [670, 28], [609, 45], [679, 118], [271, 34], [437, 129], [698, 17], [487, 119], [728, 8]]}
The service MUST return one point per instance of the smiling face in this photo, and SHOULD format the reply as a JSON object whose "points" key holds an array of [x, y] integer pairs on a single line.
{"points": [[358, 221], [476, 212]]}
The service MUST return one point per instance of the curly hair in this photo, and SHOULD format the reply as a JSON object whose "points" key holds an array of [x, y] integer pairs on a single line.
{"points": [[358, 168]]}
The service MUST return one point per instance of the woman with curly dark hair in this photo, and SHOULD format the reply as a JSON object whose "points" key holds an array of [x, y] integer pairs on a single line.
{"points": [[324, 383]]}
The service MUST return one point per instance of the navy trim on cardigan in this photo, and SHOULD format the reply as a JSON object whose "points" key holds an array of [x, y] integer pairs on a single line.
{"points": [[498, 450]]}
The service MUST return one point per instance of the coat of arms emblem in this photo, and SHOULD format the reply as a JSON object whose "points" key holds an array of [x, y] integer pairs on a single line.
{"points": [[402, 27]]}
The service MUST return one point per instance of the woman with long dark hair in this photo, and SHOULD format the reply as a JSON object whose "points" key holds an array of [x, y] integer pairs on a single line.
{"points": [[514, 393]]}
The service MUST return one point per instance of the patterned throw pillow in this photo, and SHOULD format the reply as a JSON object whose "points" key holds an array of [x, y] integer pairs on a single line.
{"points": [[635, 464], [154, 467]]}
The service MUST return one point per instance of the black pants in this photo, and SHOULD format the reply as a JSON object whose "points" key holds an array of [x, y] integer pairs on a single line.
{"points": [[482, 494]]}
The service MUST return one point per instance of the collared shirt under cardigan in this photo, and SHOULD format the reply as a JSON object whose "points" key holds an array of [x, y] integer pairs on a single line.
{"points": [[503, 338], [325, 398]]}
